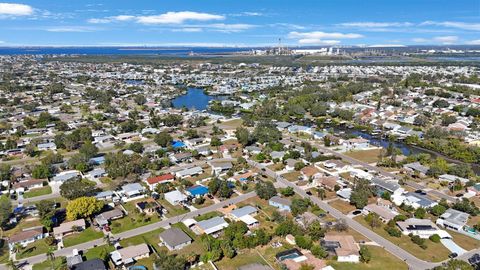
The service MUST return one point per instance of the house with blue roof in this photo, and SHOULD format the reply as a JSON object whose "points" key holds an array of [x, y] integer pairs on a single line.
{"points": [[178, 144], [197, 191]]}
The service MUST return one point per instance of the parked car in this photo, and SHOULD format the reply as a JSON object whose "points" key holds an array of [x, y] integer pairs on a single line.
{"points": [[453, 255]]}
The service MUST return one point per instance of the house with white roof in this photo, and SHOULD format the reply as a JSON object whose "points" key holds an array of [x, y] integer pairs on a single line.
{"points": [[453, 219]]}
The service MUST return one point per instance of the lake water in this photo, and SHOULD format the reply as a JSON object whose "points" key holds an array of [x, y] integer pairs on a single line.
{"points": [[195, 98]]}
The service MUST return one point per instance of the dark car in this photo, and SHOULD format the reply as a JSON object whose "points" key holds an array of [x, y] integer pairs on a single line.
{"points": [[309, 192], [459, 195], [421, 192], [475, 259], [453, 255]]}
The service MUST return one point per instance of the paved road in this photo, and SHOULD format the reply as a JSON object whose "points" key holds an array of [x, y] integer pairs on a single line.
{"points": [[411, 260], [141, 230], [379, 170]]}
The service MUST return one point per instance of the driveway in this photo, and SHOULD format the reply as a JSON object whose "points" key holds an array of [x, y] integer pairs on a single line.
{"points": [[452, 246]]}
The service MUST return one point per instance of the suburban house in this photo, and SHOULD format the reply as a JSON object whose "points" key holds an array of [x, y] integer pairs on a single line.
{"points": [[356, 144], [25, 237], [70, 227], [180, 157], [149, 207], [452, 179], [245, 214], [308, 172], [61, 177], [424, 228], [243, 176], [152, 182], [46, 146], [210, 226], [383, 208], [196, 191], [220, 166], [132, 191], [281, 203], [96, 173], [175, 197], [416, 168], [453, 219], [94, 264], [413, 199], [390, 186], [189, 172], [175, 238], [129, 255], [336, 165], [290, 164], [23, 186], [104, 218], [327, 182], [105, 195], [343, 246]]}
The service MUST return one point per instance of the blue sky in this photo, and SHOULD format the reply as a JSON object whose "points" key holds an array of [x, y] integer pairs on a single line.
{"points": [[239, 23]]}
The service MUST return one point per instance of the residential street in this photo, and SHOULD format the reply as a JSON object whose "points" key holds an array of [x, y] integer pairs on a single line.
{"points": [[138, 231]]}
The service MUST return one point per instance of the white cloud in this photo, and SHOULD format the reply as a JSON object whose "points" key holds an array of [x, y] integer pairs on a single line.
{"points": [[386, 46], [317, 41], [376, 24], [188, 30], [321, 35], [165, 18], [178, 17], [321, 38], [11, 9], [459, 25], [446, 39], [420, 40], [230, 28], [66, 29], [474, 42]]}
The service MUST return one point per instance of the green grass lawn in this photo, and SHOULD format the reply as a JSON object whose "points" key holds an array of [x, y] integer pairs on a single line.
{"points": [[150, 238], [368, 156], [381, 259], [246, 256], [207, 216], [132, 220], [100, 252], [342, 206], [435, 252], [35, 248], [38, 192], [58, 263], [173, 210], [88, 234]]}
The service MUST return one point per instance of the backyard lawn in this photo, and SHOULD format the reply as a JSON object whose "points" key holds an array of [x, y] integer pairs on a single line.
{"points": [[206, 216], [58, 263], [35, 248], [246, 256], [342, 206], [86, 235], [38, 192], [133, 220], [435, 252], [368, 156], [292, 176], [381, 259], [173, 210], [100, 252]]}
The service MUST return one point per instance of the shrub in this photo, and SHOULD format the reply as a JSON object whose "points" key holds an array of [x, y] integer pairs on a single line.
{"points": [[435, 238]]}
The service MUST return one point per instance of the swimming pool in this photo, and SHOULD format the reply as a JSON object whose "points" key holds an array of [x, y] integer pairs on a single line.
{"points": [[288, 254]]}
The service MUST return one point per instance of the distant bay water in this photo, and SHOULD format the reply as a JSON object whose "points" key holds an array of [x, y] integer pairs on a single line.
{"points": [[183, 51], [194, 98]]}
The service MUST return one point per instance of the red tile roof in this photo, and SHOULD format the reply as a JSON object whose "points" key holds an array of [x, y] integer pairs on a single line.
{"points": [[161, 178]]}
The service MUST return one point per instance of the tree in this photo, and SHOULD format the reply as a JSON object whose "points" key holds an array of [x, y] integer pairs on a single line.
{"points": [[5, 171], [304, 242], [321, 193], [299, 206], [136, 147], [438, 210], [225, 191], [5, 209], [315, 230], [12, 265], [163, 139], [215, 141], [435, 238], [140, 99], [365, 254], [265, 190], [420, 213], [88, 150], [306, 266], [214, 185], [360, 193], [319, 252], [83, 207], [420, 120], [287, 192], [41, 171], [266, 132], [46, 211], [455, 265], [243, 136], [373, 220], [75, 188]]}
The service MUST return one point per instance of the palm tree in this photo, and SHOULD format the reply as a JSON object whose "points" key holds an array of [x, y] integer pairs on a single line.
{"points": [[108, 239], [51, 257], [11, 265], [321, 193]]}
